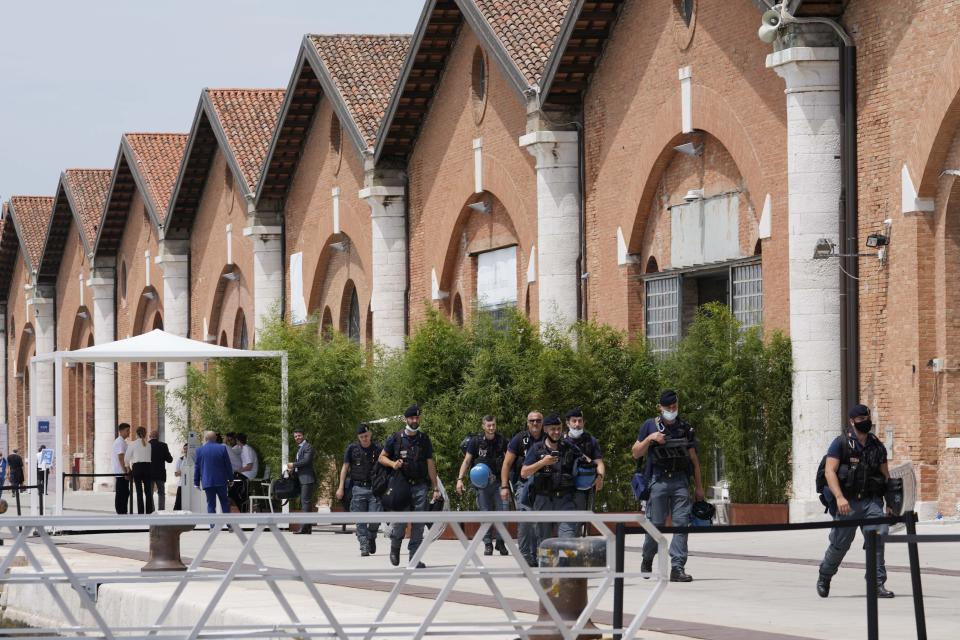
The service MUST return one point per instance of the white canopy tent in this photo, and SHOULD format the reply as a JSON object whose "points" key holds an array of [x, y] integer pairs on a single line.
{"points": [[155, 346]]}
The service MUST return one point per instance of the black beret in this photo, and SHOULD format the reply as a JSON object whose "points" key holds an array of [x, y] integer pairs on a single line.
{"points": [[299, 430], [859, 410], [573, 413], [412, 410], [551, 419], [668, 397], [362, 428]]}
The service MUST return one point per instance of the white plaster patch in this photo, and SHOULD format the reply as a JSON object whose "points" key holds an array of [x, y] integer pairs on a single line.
{"points": [[146, 266], [909, 201], [435, 293], [229, 244], [953, 443], [686, 99], [765, 229], [478, 165], [622, 256], [532, 265], [336, 209], [298, 306]]}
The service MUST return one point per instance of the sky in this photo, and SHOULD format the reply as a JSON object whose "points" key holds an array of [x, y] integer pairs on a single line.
{"points": [[76, 74]]}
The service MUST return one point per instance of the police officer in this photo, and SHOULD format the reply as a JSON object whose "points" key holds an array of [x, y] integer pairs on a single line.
{"points": [[856, 472], [549, 463], [510, 477], [412, 452], [670, 447], [589, 446], [490, 449], [358, 464]]}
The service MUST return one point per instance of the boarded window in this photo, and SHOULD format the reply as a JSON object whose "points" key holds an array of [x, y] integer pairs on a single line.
{"points": [[497, 280], [705, 231]]}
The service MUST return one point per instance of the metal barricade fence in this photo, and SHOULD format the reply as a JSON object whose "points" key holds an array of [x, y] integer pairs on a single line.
{"points": [[68, 585]]}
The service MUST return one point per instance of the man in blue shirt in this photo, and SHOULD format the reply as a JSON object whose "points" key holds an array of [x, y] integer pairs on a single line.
{"points": [[857, 473], [489, 448], [590, 447], [213, 471], [359, 461], [670, 448], [510, 474], [549, 468]]}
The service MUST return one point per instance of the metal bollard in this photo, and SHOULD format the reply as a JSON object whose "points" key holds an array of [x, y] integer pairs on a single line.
{"points": [[165, 547], [569, 595]]}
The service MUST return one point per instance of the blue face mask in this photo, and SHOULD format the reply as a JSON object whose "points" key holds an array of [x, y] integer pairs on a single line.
{"points": [[575, 433], [669, 416]]}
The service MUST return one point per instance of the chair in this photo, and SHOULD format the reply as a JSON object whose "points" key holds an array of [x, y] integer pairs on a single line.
{"points": [[257, 487]]}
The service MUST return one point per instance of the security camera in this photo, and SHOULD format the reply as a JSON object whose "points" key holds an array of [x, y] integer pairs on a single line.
{"points": [[770, 24]]}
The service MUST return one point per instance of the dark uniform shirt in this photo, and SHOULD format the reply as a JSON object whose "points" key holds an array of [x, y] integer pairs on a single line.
{"points": [[489, 452], [414, 450]]}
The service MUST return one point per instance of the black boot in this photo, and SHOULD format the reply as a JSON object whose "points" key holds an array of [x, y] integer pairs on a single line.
{"points": [[487, 549], [395, 555], [823, 586], [646, 566], [677, 574], [883, 592], [502, 548], [372, 544]]}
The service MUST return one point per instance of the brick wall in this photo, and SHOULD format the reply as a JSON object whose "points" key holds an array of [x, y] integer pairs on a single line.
{"points": [[20, 348]]}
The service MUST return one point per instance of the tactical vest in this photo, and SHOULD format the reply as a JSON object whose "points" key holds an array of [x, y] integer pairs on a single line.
{"points": [[410, 450], [491, 452], [558, 477], [673, 455], [362, 461], [859, 471]]}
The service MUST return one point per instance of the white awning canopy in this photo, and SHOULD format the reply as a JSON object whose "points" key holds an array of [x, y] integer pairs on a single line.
{"points": [[155, 346]]}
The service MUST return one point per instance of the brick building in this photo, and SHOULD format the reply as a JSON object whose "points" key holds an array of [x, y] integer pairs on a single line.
{"points": [[623, 161]]}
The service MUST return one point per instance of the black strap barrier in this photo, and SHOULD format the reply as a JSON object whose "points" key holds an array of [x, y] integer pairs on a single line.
{"points": [[909, 519], [16, 489], [64, 476]]}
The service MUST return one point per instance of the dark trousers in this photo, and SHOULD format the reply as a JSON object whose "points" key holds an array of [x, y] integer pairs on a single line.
{"points": [[214, 494], [159, 484], [121, 495], [178, 501], [143, 484], [306, 502]]}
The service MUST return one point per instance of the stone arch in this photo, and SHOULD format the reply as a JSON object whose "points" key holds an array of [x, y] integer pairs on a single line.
{"points": [[231, 296], [937, 121], [472, 233], [339, 266], [713, 116]]}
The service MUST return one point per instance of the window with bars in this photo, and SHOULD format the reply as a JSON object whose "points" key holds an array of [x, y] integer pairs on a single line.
{"points": [[663, 313], [747, 295], [353, 323]]}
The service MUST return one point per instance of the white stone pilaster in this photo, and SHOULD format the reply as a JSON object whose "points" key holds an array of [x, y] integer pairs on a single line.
{"points": [[175, 263], [389, 240], [267, 272], [41, 311], [102, 289], [558, 223], [814, 131]]}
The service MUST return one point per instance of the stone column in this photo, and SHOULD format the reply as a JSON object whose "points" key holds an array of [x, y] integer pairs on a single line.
{"points": [[558, 223], [41, 310], [102, 289], [814, 128], [266, 234], [175, 262], [389, 240]]}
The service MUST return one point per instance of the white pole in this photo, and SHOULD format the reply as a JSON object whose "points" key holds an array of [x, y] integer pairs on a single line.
{"points": [[284, 424], [29, 458], [59, 462]]}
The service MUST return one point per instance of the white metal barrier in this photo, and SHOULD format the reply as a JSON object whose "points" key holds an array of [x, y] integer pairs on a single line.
{"points": [[252, 530]]}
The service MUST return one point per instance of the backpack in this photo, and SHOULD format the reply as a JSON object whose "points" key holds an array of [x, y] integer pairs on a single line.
{"points": [[465, 443], [821, 481], [379, 479]]}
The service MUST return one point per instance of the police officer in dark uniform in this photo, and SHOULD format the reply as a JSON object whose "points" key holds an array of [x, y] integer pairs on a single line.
{"points": [[856, 472], [670, 447], [358, 464], [550, 465], [488, 448], [589, 446], [510, 477], [412, 452]]}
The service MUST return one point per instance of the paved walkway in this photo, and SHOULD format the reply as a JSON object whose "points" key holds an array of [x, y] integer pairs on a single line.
{"points": [[747, 586]]}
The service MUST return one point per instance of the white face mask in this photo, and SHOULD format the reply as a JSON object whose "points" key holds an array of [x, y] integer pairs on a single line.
{"points": [[669, 416], [413, 430], [575, 433]]}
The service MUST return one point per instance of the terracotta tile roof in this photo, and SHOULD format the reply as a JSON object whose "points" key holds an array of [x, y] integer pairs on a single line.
{"points": [[158, 157], [33, 218], [528, 30], [365, 69], [89, 188], [248, 117]]}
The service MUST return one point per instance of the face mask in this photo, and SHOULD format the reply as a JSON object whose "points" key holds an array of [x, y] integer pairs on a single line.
{"points": [[863, 427], [412, 430], [575, 433], [669, 416]]}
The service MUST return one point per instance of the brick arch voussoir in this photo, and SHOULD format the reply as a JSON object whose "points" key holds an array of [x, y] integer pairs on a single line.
{"points": [[937, 122], [712, 114], [216, 315]]}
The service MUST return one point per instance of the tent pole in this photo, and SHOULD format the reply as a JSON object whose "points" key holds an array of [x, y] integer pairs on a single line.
{"points": [[284, 423]]}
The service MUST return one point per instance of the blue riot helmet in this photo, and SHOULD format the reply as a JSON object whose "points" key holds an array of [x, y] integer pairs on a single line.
{"points": [[584, 475], [480, 475]]}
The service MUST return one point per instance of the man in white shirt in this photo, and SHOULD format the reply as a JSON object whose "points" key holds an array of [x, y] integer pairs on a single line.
{"points": [[122, 495], [233, 449], [249, 464]]}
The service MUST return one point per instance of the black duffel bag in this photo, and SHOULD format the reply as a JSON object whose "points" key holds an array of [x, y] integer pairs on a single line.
{"points": [[286, 487], [398, 496]]}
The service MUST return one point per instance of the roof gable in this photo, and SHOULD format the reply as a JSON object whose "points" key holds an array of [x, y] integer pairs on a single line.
{"points": [[31, 217], [357, 73], [81, 195], [9, 246], [240, 122]]}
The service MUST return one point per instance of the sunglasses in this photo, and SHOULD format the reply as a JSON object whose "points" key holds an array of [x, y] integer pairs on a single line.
{"points": [[535, 420]]}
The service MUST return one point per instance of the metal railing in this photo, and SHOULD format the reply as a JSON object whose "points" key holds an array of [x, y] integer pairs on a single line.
{"points": [[81, 588]]}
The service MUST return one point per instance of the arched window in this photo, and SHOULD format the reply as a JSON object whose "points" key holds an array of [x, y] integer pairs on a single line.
{"points": [[458, 310], [123, 281], [652, 266], [353, 324], [686, 8], [240, 339], [478, 84]]}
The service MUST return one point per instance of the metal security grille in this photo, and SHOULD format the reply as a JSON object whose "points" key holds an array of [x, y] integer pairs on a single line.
{"points": [[663, 313], [747, 298], [353, 330]]}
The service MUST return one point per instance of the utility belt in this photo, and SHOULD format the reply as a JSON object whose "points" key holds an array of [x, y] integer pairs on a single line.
{"points": [[557, 494], [669, 475], [553, 483], [362, 483]]}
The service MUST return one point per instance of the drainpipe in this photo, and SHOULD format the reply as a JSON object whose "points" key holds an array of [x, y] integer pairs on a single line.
{"points": [[582, 178], [850, 290]]}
